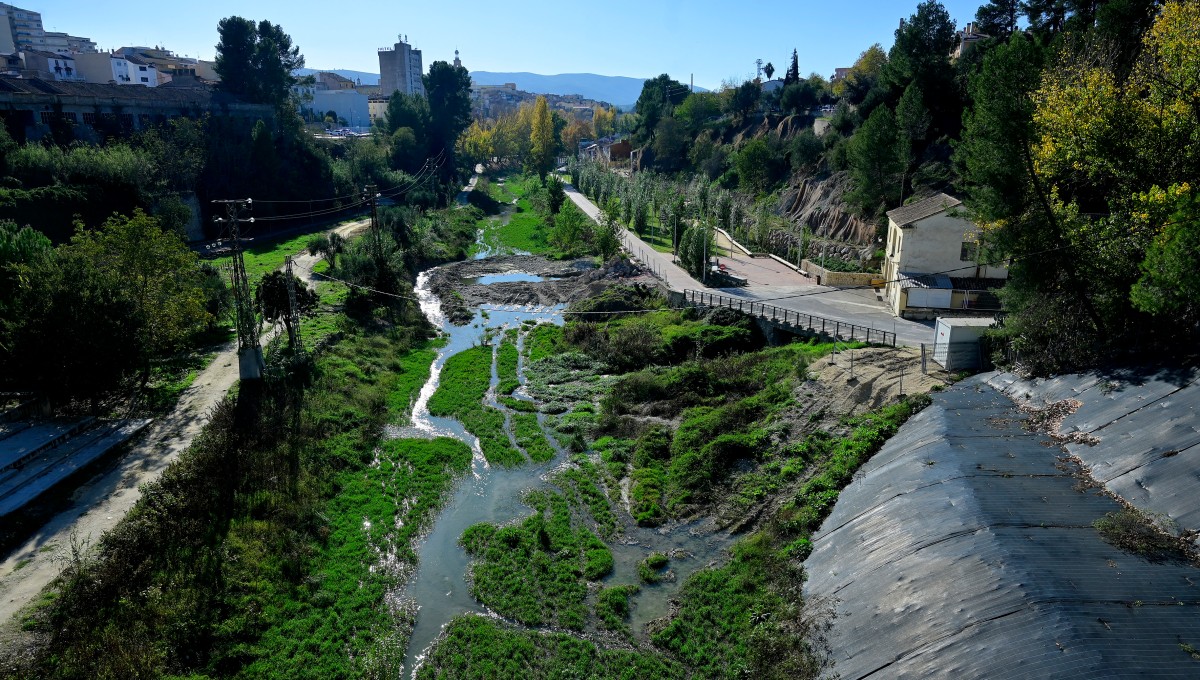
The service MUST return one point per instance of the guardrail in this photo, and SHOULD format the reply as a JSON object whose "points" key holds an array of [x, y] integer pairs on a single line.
{"points": [[790, 317]]}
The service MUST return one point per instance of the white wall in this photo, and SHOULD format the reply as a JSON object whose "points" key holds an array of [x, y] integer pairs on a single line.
{"points": [[934, 245]]}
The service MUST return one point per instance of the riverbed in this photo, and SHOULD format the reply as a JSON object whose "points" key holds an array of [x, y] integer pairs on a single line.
{"points": [[438, 591]]}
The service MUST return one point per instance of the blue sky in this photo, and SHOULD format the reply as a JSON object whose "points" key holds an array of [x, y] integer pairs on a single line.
{"points": [[715, 40]]}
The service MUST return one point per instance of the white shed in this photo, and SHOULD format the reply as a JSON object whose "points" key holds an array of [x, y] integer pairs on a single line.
{"points": [[956, 341]]}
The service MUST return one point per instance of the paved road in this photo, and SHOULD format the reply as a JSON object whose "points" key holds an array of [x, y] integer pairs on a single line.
{"points": [[778, 284], [659, 263], [98, 504], [851, 305], [465, 193]]}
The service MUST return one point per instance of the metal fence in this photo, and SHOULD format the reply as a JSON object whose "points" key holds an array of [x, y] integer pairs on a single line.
{"points": [[790, 318]]}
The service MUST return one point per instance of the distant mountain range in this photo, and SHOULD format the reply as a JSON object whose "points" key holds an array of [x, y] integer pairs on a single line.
{"points": [[618, 90]]}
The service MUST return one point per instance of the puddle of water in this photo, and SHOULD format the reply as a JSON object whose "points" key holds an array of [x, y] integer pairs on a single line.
{"points": [[506, 277]]}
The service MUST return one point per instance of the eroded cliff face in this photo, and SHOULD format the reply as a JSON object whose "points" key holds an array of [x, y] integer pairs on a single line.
{"points": [[817, 204]]}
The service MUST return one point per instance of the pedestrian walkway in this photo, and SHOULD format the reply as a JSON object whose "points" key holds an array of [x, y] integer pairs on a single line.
{"points": [[756, 271], [659, 263]]}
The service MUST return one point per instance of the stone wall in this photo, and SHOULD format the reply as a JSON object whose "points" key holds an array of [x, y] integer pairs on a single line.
{"points": [[825, 277]]}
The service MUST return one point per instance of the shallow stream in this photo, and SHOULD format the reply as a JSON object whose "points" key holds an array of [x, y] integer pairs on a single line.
{"points": [[438, 591]]}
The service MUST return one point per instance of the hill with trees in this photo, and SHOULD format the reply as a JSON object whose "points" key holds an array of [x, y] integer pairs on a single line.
{"points": [[1074, 144]]}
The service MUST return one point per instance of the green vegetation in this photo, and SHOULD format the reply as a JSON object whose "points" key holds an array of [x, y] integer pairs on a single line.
{"points": [[530, 437], [479, 647], [506, 364], [612, 606], [464, 383], [96, 316], [542, 341], [1138, 533], [650, 569], [252, 555], [536, 571]]}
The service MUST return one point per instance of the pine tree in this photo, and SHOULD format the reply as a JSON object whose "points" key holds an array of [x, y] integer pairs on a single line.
{"points": [[793, 72]]}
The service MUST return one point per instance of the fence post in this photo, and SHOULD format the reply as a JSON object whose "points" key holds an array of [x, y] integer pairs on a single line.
{"points": [[924, 364]]}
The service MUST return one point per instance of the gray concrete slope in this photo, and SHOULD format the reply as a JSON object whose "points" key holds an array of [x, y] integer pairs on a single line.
{"points": [[1138, 432], [965, 549]]}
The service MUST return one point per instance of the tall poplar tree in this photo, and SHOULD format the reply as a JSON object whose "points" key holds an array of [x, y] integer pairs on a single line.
{"points": [[541, 139]]}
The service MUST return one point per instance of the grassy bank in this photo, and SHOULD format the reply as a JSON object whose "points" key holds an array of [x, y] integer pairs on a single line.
{"points": [[253, 554]]}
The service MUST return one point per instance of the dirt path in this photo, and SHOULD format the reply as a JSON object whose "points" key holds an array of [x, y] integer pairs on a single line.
{"points": [[101, 502]]}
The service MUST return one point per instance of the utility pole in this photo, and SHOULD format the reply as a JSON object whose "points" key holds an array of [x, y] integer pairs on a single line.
{"points": [[293, 317], [250, 358], [758, 65], [371, 195]]}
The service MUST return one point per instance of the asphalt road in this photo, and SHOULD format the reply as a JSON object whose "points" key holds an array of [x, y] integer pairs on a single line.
{"points": [[772, 282]]}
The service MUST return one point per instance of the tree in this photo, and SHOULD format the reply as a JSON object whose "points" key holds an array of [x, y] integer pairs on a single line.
{"points": [[998, 18], [874, 165], [105, 306], [448, 90], [697, 110], [21, 249], [256, 63], [798, 97], [756, 166], [694, 248], [1086, 177], [272, 298], [658, 99], [541, 140], [921, 55], [408, 111], [769, 69], [670, 142], [912, 120], [745, 99], [793, 71], [603, 121], [864, 74]]}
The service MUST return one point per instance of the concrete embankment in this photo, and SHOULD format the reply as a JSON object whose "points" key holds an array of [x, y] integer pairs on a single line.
{"points": [[967, 547]]}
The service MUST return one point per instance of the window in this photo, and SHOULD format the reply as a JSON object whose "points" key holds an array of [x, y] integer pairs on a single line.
{"points": [[89, 118], [145, 79], [141, 68], [969, 252]]}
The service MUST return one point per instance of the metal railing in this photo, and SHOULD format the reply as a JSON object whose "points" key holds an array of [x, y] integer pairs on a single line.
{"points": [[841, 330]]}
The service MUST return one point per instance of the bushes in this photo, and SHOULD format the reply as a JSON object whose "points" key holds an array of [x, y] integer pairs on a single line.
{"points": [[612, 606]]}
